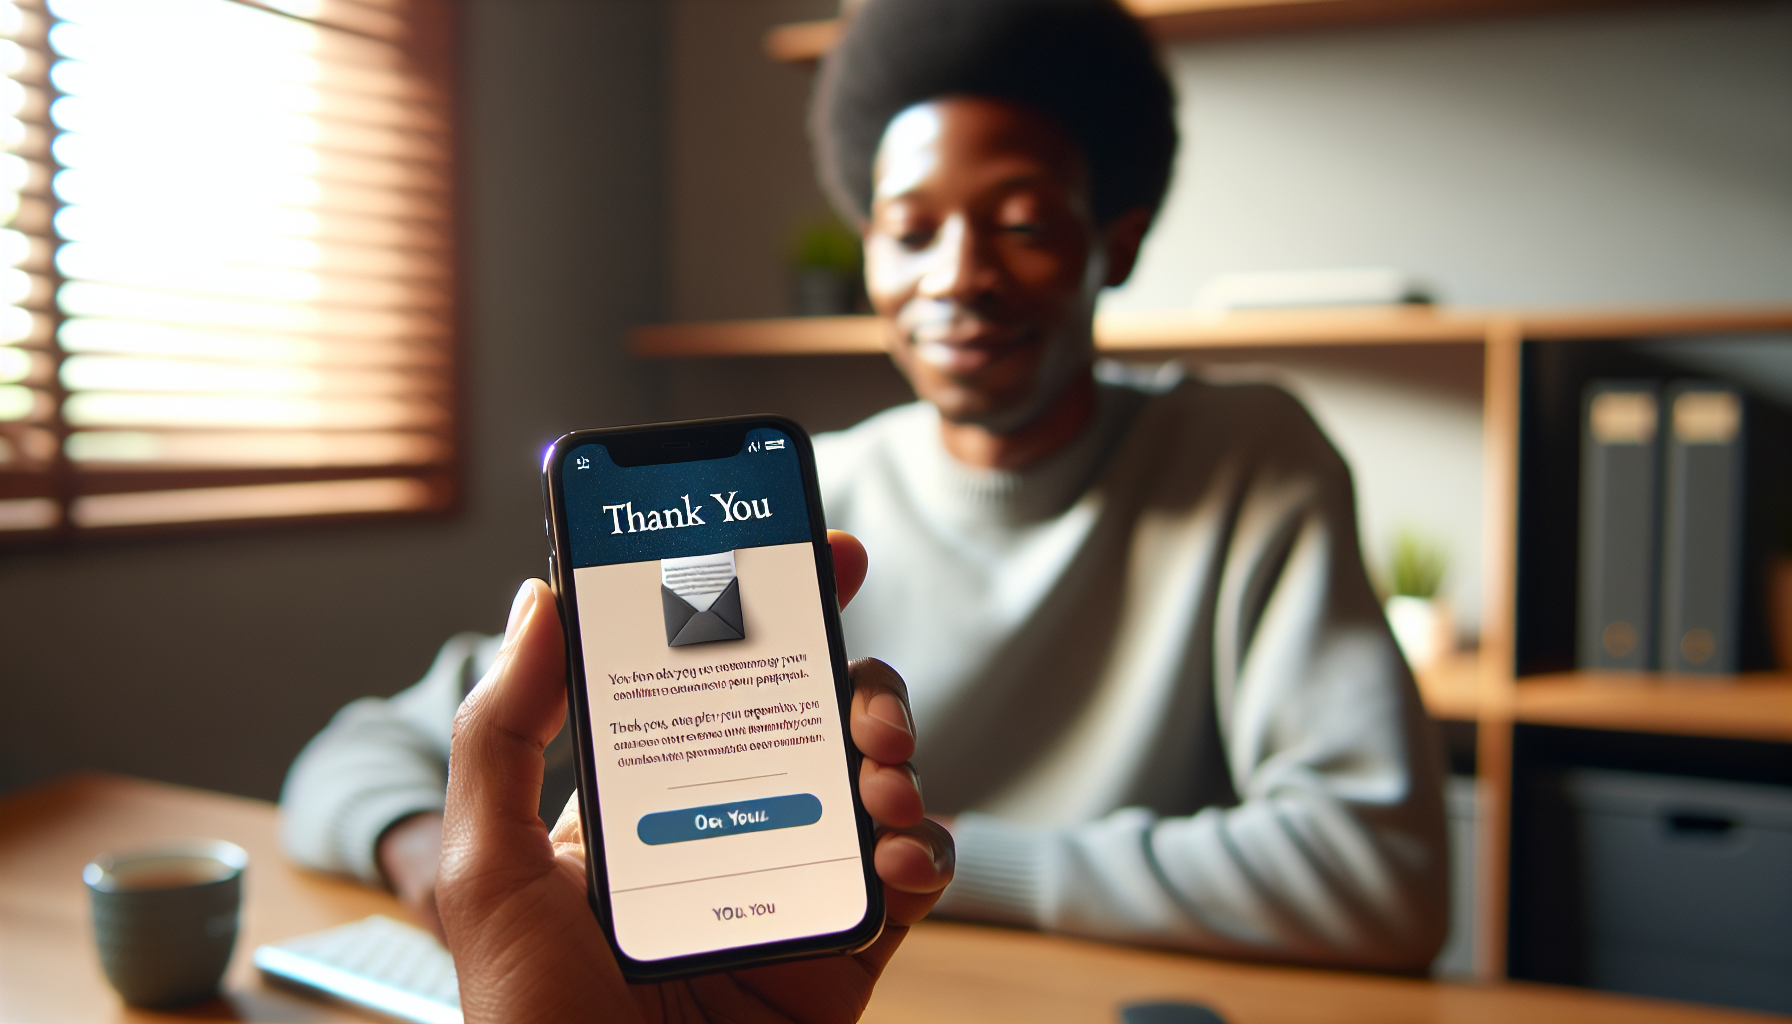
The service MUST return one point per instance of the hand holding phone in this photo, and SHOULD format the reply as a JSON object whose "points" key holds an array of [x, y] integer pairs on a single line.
{"points": [[709, 692], [525, 941]]}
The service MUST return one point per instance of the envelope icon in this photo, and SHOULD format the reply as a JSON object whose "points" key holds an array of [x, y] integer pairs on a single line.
{"points": [[701, 598]]}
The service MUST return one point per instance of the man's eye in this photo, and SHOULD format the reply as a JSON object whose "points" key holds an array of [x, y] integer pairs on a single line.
{"points": [[913, 240], [1025, 229]]}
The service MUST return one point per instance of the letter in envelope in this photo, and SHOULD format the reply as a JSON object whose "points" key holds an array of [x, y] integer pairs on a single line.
{"points": [[701, 596]]}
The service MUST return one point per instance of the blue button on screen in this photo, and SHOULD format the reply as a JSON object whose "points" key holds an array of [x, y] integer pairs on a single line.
{"points": [[731, 819]]}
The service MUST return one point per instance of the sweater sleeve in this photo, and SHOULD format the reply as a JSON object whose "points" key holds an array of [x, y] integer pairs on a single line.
{"points": [[379, 760], [1335, 852]]}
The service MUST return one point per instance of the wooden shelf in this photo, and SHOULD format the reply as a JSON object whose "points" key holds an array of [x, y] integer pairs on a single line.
{"points": [[802, 41], [1451, 687], [1745, 707], [806, 41], [1173, 329], [1134, 331], [1751, 706], [793, 336]]}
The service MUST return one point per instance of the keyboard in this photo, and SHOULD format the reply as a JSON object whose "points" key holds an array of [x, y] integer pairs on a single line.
{"points": [[382, 964]]}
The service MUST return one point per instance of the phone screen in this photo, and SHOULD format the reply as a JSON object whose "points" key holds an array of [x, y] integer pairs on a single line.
{"points": [[721, 770]]}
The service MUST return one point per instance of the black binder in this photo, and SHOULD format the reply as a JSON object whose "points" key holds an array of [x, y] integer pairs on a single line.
{"points": [[1620, 453], [1701, 554]]}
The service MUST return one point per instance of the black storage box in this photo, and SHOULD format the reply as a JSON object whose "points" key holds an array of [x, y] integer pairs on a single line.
{"points": [[1687, 886]]}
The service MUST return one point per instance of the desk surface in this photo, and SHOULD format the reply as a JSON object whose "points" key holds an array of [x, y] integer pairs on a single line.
{"points": [[945, 973]]}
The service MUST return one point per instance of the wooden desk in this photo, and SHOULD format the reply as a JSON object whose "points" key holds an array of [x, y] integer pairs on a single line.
{"points": [[969, 974], [49, 970], [945, 973]]}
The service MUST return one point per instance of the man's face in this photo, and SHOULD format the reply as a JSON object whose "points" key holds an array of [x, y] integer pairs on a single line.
{"points": [[982, 253]]}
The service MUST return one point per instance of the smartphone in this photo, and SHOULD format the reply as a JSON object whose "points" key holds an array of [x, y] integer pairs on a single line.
{"points": [[707, 685]]}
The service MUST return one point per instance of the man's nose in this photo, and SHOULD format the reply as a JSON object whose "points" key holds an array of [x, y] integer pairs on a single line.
{"points": [[958, 269]]}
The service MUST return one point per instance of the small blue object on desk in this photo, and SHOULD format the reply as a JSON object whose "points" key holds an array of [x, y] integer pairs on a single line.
{"points": [[1169, 1013]]}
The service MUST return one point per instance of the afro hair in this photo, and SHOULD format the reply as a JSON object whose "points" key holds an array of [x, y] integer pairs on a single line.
{"points": [[1085, 63]]}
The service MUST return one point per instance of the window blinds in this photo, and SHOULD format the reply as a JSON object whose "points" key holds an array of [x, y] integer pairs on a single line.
{"points": [[29, 396], [231, 277]]}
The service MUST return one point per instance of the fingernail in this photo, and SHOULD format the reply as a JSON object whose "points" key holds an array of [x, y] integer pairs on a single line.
{"points": [[520, 609], [915, 774], [945, 854], [887, 709], [934, 855], [926, 847]]}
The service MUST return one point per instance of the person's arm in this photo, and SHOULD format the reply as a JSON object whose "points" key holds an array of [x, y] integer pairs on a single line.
{"points": [[1336, 851], [378, 772]]}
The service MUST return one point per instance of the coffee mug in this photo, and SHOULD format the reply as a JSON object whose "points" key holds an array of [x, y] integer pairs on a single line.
{"points": [[165, 918]]}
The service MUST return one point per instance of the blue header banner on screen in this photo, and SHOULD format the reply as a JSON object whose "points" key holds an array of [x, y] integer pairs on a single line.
{"points": [[632, 514]]}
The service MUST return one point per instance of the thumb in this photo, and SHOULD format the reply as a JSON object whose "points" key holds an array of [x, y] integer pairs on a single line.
{"points": [[495, 764]]}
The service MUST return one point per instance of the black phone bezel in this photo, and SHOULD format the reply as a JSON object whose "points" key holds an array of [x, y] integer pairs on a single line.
{"points": [[690, 441]]}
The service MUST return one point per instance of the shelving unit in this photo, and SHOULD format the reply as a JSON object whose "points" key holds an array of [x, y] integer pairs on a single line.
{"points": [[1483, 688], [806, 41]]}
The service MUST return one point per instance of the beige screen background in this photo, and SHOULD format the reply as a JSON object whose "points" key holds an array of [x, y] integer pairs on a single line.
{"points": [[676, 728]]}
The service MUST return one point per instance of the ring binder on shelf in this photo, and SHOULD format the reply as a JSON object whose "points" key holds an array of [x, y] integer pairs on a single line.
{"points": [[1620, 456], [1701, 561]]}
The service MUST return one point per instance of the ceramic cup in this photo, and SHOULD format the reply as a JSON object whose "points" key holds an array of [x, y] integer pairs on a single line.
{"points": [[165, 918]]}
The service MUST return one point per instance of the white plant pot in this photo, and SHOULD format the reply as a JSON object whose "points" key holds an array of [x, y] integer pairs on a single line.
{"points": [[1424, 628]]}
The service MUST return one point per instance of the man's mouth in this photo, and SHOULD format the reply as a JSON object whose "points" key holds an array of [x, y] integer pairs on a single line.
{"points": [[962, 345]]}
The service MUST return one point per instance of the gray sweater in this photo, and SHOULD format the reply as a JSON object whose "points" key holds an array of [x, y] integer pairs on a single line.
{"points": [[1149, 677]]}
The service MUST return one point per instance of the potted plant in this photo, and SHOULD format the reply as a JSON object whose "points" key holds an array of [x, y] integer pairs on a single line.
{"points": [[825, 255], [1418, 615]]}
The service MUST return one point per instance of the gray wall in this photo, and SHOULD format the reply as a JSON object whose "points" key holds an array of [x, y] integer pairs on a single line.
{"points": [[1628, 157], [740, 180], [738, 157], [210, 659], [1632, 156], [1618, 158], [1635, 157]]}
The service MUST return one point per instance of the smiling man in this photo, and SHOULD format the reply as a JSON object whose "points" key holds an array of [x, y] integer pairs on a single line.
{"points": [[1148, 672]]}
